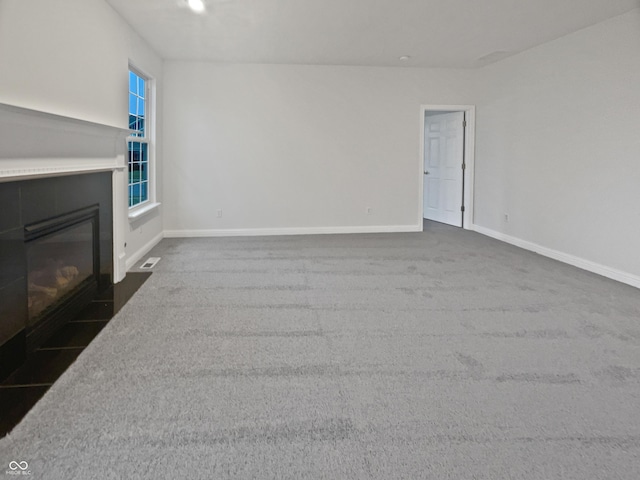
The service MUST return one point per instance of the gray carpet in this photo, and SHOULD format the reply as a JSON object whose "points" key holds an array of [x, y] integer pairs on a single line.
{"points": [[442, 354]]}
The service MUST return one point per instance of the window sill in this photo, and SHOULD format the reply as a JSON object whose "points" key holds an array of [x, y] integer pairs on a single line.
{"points": [[139, 212]]}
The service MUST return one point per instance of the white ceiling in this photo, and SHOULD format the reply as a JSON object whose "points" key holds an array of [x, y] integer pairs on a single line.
{"points": [[435, 33]]}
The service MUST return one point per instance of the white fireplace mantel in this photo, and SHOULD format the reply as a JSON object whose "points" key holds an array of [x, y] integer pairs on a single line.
{"points": [[36, 144], [39, 144]]}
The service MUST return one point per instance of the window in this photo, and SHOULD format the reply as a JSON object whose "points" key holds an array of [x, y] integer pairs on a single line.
{"points": [[138, 141]]}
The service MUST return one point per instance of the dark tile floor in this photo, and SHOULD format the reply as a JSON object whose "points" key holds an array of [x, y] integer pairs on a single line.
{"points": [[24, 387]]}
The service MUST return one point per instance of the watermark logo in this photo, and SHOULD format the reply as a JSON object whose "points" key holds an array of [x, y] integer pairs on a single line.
{"points": [[18, 468]]}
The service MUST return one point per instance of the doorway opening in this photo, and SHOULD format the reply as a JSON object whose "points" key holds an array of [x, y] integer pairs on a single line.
{"points": [[447, 134]]}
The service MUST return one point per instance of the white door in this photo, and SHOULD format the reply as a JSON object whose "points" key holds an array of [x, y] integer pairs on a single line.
{"points": [[443, 173]]}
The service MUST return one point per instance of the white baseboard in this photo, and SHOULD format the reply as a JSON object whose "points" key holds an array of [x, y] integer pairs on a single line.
{"points": [[137, 256], [251, 232], [614, 274]]}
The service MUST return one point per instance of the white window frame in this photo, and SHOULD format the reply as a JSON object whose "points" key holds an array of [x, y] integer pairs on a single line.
{"points": [[142, 208]]}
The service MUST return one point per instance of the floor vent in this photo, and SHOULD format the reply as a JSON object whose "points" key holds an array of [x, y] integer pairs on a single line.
{"points": [[150, 263]]}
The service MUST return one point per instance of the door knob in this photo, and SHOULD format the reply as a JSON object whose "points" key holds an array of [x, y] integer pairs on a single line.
{"points": [[426, 173]]}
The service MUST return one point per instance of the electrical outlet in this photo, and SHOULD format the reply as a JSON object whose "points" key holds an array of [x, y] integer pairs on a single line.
{"points": [[219, 213], [506, 218], [368, 210]]}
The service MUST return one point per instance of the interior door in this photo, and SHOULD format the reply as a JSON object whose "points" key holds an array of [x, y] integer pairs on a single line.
{"points": [[443, 172]]}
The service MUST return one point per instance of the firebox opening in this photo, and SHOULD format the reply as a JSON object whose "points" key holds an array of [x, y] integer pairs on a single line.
{"points": [[62, 261]]}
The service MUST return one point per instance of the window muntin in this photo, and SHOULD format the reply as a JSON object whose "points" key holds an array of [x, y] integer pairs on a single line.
{"points": [[137, 104], [138, 173], [138, 144]]}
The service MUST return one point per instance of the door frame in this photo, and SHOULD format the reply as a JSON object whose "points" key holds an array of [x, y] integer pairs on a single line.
{"points": [[468, 159]]}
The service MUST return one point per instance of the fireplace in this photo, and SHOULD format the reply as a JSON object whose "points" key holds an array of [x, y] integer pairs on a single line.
{"points": [[56, 256], [62, 266]]}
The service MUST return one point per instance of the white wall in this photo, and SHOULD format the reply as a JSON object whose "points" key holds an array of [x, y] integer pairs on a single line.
{"points": [[306, 148], [145, 232], [71, 58], [65, 58], [558, 146], [311, 147]]}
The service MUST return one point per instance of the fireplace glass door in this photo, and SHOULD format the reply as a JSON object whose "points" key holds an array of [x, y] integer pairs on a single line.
{"points": [[58, 265]]}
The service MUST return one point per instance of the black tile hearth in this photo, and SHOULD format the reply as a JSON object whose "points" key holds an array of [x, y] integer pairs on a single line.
{"points": [[98, 310], [43, 368], [76, 334], [16, 402], [25, 386], [123, 291], [12, 355]]}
